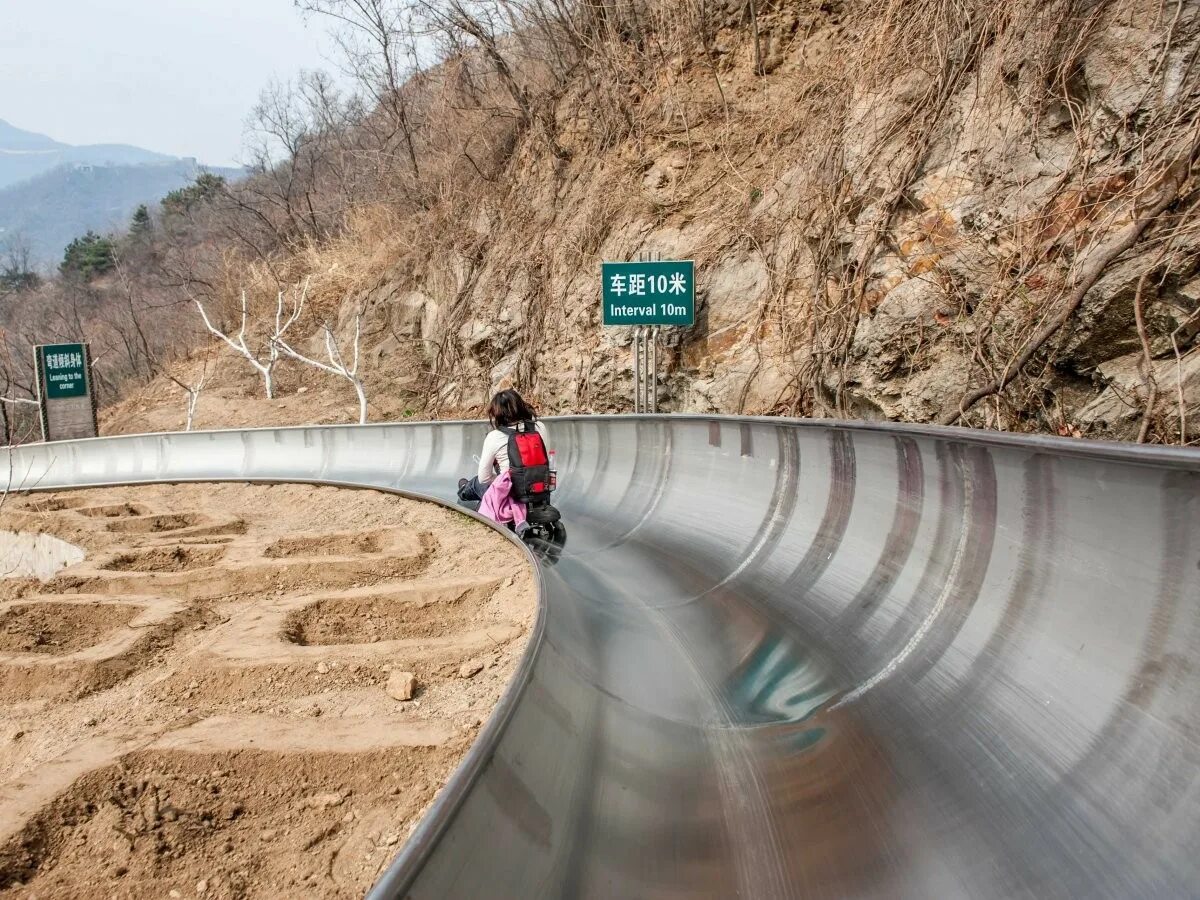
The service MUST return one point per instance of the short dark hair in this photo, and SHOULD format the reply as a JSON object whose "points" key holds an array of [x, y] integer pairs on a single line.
{"points": [[508, 408]]}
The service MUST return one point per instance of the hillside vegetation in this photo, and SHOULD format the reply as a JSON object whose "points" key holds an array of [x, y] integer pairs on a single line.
{"points": [[960, 212], [45, 213]]}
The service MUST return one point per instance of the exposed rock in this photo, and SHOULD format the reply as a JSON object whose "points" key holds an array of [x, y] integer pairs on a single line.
{"points": [[1119, 67], [402, 685], [470, 669], [322, 801], [1119, 408]]}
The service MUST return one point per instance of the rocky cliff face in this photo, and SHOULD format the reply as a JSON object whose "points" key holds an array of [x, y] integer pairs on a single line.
{"points": [[921, 211]]}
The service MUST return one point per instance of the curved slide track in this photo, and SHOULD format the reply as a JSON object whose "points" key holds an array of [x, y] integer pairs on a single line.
{"points": [[803, 658]]}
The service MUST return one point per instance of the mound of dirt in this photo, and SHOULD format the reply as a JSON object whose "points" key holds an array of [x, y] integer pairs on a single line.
{"points": [[236, 824], [389, 615], [57, 627], [142, 524], [163, 559], [211, 717], [325, 545], [107, 510]]}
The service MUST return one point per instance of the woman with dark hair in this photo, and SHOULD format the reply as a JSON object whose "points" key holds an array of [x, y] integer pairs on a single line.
{"points": [[507, 409]]}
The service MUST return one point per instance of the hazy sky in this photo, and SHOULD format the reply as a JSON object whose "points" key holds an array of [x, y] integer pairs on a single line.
{"points": [[176, 76]]}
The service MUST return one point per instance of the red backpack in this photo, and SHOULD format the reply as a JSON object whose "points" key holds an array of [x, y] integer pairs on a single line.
{"points": [[528, 464]]}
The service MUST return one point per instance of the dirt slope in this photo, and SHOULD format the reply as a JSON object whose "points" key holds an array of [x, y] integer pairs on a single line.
{"points": [[206, 704]]}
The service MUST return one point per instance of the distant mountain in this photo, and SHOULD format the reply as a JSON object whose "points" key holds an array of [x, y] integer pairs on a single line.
{"points": [[52, 192], [25, 154], [47, 212], [13, 138]]}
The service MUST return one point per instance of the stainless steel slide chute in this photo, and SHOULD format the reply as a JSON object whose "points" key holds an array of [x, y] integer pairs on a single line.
{"points": [[787, 658]]}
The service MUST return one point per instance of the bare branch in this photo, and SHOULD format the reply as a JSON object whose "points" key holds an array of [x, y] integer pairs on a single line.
{"points": [[336, 365], [263, 362]]}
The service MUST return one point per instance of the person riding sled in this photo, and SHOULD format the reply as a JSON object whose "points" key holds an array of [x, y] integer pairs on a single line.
{"points": [[515, 427], [516, 476]]}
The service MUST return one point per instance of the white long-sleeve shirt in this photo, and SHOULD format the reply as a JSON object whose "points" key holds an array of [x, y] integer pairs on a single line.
{"points": [[495, 450]]}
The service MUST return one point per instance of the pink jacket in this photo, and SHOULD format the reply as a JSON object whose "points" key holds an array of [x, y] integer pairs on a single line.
{"points": [[498, 504]]}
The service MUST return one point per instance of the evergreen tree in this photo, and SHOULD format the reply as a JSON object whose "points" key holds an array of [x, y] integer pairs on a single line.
{"points": [[202, 190], [141, 225], [88, 256]]}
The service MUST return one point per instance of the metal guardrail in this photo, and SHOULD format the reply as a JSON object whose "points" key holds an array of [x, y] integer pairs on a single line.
{"points": [[789, 658]]}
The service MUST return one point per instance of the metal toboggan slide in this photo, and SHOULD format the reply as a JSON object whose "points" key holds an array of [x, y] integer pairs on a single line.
{"points": [[802, 658]]}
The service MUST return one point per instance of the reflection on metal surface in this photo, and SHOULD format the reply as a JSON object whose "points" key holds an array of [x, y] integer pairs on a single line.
{"points": [[806, 659], [780, 682]]}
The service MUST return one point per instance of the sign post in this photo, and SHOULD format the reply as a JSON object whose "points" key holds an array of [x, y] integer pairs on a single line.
{"points": [[65, 391], [648, 294]]}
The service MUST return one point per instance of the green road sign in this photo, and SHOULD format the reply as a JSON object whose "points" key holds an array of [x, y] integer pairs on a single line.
{"points": [[649, 293], [65, 369]]}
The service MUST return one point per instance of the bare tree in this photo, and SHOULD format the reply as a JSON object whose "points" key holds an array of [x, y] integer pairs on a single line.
{"points": [[16, 271], [337, 362], [193, 393], [479, 24], [377, 41], [265, 358]]}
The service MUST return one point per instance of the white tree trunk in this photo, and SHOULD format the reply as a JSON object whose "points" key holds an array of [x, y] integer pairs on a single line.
{"points": [[362, 400], [336, 364], [193, 399], [265, 368]]}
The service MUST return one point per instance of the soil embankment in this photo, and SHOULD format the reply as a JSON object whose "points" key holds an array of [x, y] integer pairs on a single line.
{"points": [[208, 703]]}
